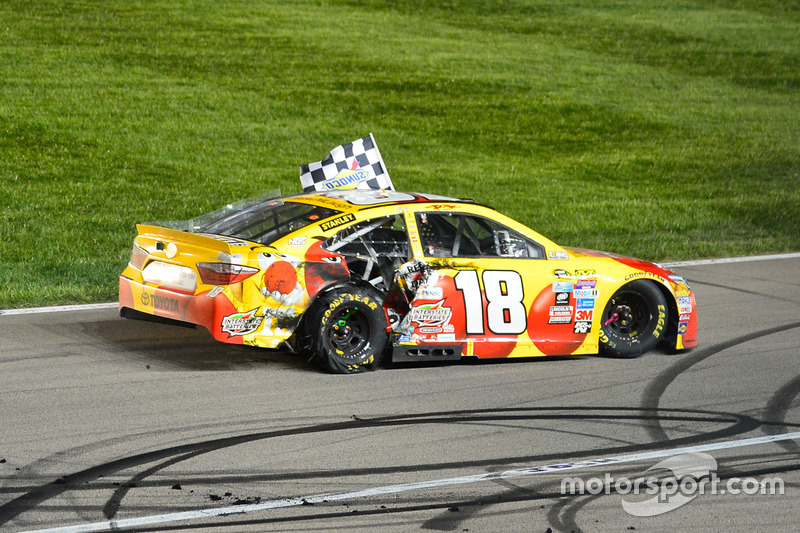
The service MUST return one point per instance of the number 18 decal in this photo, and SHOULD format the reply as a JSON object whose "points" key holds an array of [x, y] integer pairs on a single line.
{"points": [[505, 312]]}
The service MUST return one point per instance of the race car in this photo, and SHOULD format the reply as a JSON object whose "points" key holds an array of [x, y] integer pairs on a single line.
{"points": [[353, 276]]}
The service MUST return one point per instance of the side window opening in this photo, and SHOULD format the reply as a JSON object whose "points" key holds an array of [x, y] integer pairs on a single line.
{"points": [[464, 235], [373, 249]]}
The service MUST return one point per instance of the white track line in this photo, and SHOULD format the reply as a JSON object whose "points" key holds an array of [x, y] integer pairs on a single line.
{"points": [[407, 487], [730, 260], [58, 309]]}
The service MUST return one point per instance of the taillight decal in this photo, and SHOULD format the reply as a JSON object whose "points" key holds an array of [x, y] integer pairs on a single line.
{"points": [[224, 273]]}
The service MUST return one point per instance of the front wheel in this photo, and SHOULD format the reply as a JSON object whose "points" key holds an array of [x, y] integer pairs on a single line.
{"points": [[633, 320], [349, 333]]}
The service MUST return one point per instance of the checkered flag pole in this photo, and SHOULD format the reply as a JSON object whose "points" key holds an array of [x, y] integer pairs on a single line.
{"points": [[362, 154]]}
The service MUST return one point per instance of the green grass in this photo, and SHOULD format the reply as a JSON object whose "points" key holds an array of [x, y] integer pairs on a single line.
{"points": [[663, 130]]}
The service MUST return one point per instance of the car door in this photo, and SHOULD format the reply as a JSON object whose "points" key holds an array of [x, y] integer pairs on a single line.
{"points": [[488, 287]]}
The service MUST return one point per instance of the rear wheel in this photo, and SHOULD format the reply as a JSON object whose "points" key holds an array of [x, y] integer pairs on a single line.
{"points": [[349, 330], [633, 320]]}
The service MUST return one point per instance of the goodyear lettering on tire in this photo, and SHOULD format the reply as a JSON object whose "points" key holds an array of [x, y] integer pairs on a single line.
{"points": [[662, 320]]}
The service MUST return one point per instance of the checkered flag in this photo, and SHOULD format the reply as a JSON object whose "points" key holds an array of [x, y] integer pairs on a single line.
{"points": [[355, 165]]}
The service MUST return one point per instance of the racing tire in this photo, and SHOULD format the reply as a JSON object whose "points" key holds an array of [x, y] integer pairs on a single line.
{"points": [[634, 320], [349, 330]]}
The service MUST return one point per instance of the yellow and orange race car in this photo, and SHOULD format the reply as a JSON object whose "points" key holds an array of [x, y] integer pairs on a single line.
{"points": [[350, 276]]}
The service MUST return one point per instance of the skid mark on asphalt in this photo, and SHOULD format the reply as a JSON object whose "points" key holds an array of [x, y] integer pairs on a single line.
{"points": [[733, 425], [381, 491], [651, 398]]}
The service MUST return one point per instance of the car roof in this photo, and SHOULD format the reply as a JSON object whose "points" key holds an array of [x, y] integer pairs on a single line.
{"points": [[361, 199]]}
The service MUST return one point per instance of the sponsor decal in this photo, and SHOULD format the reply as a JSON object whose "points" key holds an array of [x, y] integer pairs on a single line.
{"points": [[215, 291], [281, 313], [347, 179], [585, 293], [296, 242], [430, 293], [586, 283], [585, 303], [561, 310], [338, 221], [582, 327], [563, 286], [446, 337], [241, 323], [226, 240], [441, 207], [637, 275], [685, 318], [685, 304], [683, 327], [430, 315], [584, 315], [558, 256], [160, 302], [560, 320], [562, 298]]}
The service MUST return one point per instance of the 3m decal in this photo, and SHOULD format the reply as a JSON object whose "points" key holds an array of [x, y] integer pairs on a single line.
{"points": [[505, 312], [584, 315]]}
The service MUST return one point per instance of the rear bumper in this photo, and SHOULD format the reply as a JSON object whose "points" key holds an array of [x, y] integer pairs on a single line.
{"points": [[188, 308]]}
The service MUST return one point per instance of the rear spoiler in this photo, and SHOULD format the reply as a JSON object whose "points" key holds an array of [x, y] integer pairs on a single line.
{"points": [[218, 243]]}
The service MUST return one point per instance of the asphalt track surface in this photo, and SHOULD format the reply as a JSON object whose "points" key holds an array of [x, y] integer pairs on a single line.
{"points": [[110, 424]]}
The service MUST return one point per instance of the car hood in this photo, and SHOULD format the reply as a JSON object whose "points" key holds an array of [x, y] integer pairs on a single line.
{"points": [[629, 261]]}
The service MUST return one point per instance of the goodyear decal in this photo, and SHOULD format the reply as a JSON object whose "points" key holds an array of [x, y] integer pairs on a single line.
{"points": [[338, 221]]}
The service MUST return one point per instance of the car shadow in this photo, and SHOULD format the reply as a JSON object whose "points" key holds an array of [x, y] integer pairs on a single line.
{"points": [[185, 347]]}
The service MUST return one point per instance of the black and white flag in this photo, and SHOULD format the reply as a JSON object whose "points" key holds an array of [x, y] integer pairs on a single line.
{"points": [[355, 165]]}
